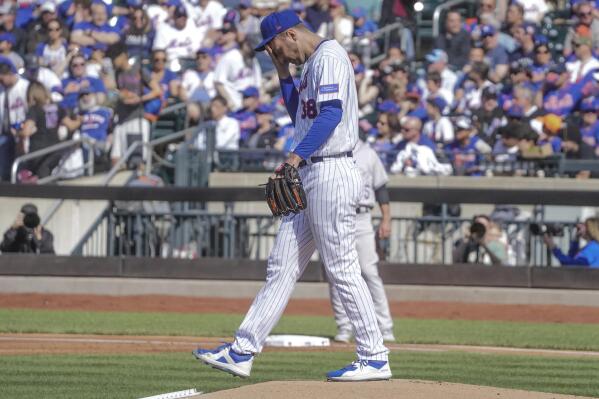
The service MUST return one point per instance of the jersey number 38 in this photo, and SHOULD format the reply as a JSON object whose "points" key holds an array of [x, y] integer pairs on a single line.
{"points": [[309, 109]]}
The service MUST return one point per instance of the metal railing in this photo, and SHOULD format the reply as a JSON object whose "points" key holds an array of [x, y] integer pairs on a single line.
{"points": [[366, 45], [198, 233], [83, 140], [557, 165], [120, 165]]}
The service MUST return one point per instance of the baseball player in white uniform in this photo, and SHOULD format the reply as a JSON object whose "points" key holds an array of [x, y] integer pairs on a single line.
{"points": [[374, 188], [324, 110]]}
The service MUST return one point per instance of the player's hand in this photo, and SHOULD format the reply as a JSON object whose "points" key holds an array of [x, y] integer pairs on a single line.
{"points": [[294, 160], [385, 229], [279, 62]]}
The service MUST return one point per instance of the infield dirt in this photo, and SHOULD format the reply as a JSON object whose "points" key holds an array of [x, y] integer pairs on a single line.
{"points": [[308, 307]]}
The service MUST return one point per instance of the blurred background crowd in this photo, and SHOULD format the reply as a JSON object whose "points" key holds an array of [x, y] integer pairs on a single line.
{"points": [[497, 85]]}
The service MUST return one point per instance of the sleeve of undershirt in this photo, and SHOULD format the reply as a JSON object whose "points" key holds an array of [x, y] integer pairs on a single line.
{"points": [[290, 96]]}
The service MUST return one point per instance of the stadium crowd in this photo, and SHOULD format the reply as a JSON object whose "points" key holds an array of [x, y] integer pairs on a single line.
{"points": [[496, 87]]}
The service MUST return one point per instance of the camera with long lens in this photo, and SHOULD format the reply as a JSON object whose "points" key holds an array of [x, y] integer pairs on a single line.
{"points": [[552, 229], [30, 222], [477, 231]]}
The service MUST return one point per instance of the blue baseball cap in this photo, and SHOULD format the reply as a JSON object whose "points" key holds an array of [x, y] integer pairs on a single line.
{"points": [[359, 69], [438, 102], [540, 40], [251, 92], [276, 23], [413, 91], [7, 37], [515, 112], [388, 106], [358, 12], [590, 105], [7, 61], [487, 30], [180, 11], [135, 3]]}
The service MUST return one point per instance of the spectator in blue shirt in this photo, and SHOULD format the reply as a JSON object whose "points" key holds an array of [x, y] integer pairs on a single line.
{"points": [[495, 54], [139, 34], [362, 25], [590, 123], [588, 255], [524, 35], [77, 80], [559, 96], [246, 116], [86, 34], [95, 122], [468, 150], [543, 56], [411, 132], [169, 83]]}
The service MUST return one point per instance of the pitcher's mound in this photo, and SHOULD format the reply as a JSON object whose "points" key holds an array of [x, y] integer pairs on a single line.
{"points": [[395, 389]]}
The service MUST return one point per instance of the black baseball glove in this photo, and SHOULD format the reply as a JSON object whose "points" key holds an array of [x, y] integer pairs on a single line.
{"points": [[285, 192]]}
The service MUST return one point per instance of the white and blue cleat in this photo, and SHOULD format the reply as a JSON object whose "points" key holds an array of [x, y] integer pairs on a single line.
{"points": [[362, 370], [225, 359]]}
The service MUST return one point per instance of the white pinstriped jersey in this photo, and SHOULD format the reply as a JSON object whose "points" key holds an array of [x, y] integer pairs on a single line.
{"points": [[328, 75]]}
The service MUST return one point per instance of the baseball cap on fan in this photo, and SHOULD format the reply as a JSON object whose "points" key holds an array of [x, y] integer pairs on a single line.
{"points": [[276, 23]]}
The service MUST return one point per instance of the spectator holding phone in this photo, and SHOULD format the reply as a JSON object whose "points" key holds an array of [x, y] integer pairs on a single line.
{"points": [[589, 254]]}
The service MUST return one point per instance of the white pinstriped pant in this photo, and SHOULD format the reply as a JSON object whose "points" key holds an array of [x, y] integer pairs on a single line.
{"points": [[328, 224]]}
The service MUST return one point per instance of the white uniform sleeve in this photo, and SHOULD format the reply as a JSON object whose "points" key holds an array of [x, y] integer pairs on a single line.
{"points": [[228, 134], [221, 70], [400, 160], [332, 79], [217, 13], [189, 82], [209, 84], [379, 176], [447, 133], [162, 38]]}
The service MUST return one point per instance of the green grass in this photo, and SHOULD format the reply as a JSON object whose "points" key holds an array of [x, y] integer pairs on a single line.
{"points": [[514, 334], [133, 376]]}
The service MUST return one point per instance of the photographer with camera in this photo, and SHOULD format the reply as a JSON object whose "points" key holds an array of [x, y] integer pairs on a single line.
{"points": [[27, 235], [485, 243], [588, 255]]}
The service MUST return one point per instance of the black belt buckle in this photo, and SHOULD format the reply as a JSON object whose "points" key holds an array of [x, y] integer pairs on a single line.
{"points": [[321, 158]]}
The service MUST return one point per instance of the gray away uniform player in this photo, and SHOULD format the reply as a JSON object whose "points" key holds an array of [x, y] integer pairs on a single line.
{"points": [[324, 110], [374, 180]]}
